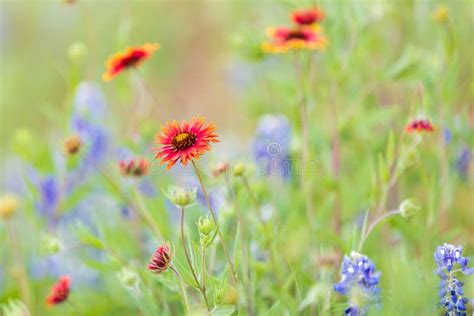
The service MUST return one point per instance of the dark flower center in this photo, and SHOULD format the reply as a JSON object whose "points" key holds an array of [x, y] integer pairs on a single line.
{"points": [[296, 35], [183, 141], [133, 59]]}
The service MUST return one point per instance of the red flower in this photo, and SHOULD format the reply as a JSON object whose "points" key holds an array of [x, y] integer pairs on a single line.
{"points": [[284, 39], [307, 16], [60, 291], [420, 125], [134, 167], [185, 141], [161, 260], [220, 169], [132, 57]]}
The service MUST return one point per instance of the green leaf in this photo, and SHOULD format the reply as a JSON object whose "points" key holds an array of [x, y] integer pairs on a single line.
{"points": [[224, 310]]}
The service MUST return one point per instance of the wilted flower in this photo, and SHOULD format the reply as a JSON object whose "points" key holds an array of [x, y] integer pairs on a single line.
{"points": [[441, 14], [359, 281], [181, 197], [420, 125], [72, 145], [221, 168], [307, 16], [134, 167], [60, 291], [409, 208], [239, 169], [184, 142], [132, 57], [284, 39], [161, 260], [449, 260], [8, 205]]}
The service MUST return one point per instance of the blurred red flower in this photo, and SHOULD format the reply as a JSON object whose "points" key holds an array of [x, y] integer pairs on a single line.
{"points": [[60, 291], [134, 167], [307, 16], [284, 39], [420, 125], [132, 57]]}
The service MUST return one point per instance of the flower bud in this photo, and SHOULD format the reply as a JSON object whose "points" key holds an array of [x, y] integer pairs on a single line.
{"points": [[50, 244], [441, 14], [206, 231], [221, 168], [161, 260], [181, 197], [239, 169], [134, 167], [72, 145], [77, 51], [409, 208], [8, 205], [129, 278]]}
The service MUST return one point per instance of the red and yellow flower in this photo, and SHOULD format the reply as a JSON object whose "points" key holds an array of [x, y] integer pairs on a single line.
{"points": [[161, 260], [60, 291], [134, 167], [307, 16], [420, 126], [184, 142], [131, 57], [284, 39]]}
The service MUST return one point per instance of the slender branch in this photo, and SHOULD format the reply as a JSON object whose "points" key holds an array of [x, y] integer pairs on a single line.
{"points": [[214, 218], [374, 224], [244, 245], [199, 286], [310, 211], [183, 290]]}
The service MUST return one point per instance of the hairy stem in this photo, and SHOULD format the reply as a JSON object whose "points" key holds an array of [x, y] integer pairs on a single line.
{"points": [[214, 218]]}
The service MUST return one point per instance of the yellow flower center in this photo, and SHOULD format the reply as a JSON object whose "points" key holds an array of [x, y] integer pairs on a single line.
{"points": [[183, 141]]}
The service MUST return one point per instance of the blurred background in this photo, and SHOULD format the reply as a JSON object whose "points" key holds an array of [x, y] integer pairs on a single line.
{"points": [[387, 62]]}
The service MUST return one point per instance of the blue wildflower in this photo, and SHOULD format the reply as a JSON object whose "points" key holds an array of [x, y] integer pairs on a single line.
{"points": [[449, 261], [271, 145], [463, 161], [359, 281]]}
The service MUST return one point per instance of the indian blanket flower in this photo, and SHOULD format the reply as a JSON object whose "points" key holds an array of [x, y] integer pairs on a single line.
{"points": [[60, 291], [284, 39], [420, 126], [307, 16], [449, 261], [134, 167], [359, 281], [221, 168], [72, 144], [161, 260], [184, 142], [131, 57]]}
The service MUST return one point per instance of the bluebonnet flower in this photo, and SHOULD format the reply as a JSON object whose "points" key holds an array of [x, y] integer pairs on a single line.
{"points": [[359, 281], [271, 145], [463, 161], [449, 261]]}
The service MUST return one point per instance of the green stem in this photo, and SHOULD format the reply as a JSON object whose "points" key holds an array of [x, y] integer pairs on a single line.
{"points": [[183, 290], [199, 286], [374, 224], [214, 218], [245, 252], [22, 276], [310, 211], [252, 197]]}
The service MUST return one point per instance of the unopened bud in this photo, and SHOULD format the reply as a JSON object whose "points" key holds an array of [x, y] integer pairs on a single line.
{"points": [[181, 197], [409, 208], [8, 205], [239, 169]]}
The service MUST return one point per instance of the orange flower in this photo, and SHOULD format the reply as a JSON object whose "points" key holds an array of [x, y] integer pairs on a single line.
{"points": [[132, 57], [307, 16], [185, 141], [285, 39]]}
